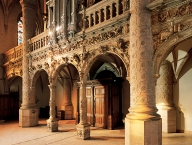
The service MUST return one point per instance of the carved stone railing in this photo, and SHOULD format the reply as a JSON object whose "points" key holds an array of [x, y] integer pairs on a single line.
{"points": [[101, 12], [13, 57], [14, 53], [13, 62], [39, 41]]}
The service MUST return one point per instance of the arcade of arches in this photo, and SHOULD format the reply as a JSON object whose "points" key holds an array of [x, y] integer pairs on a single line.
{"points": [[103, 63]]}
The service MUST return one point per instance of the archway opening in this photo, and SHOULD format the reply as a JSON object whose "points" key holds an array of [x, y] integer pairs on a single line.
{"points": [[107, 92], [177, 92], [42, 94], [66, 92]]}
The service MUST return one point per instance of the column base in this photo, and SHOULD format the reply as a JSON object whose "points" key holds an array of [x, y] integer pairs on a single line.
{"points": [[168, 120], [83, 131], [143, 132], [28, 117], [52, 125], [68, 112]]}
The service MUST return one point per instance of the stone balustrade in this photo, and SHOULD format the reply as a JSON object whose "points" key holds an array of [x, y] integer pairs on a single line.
{"points": [[102, 12], [39, 41], [14, 53], [36, 42]]}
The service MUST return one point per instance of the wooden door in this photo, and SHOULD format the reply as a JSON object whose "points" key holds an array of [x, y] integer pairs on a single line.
{"points": [[100, 102], [115, 106], [89, 105]]}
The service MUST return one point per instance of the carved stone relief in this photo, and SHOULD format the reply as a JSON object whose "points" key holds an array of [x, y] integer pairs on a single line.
{"points": [[178, 11]]}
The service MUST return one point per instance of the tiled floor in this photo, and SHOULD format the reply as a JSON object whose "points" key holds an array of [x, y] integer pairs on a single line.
{"points": [[12, 134]]}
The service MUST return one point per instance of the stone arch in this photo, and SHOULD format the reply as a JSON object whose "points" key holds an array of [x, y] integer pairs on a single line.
{"points": [[97, 53], [168, 46], [107, 67], [9, 81], [35, 77], [58, 69]]}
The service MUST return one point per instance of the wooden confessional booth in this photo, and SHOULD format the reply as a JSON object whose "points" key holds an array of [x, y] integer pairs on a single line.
{"points": [[104, 103]]}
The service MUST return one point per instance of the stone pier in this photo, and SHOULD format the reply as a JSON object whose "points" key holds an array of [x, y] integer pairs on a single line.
{"points": [[164, 94], [142, 124]]}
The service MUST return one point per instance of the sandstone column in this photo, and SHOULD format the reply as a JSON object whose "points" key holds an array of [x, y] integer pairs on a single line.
{"points": [[83, 128], [64, 19], [52, 27], [52, 122], [142, 124], [49, 17], [74, 15], [164, 94], [67, 105], [28, 113]]}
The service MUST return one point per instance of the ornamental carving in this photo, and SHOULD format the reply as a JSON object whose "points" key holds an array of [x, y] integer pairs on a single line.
{"points": [[100, 37], [185, 9], [172, 29], [76, 58], [46, 65]]}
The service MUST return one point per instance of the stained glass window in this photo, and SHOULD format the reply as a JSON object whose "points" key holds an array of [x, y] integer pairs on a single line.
{"points": [[20, 31]]}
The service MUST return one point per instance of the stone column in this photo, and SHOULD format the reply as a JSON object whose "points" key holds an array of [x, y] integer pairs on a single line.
{"points": [[67, 104], [83, 128], [111, 11], [54, 23], [164, 94], [52, 122], [64, 19], [99, 16], [90, 20], [142, 124], [49, 17], [28, 113], [74, 15]]}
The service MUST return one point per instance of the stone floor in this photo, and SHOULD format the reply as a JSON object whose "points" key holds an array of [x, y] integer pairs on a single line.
{"points": [[12, 134]]}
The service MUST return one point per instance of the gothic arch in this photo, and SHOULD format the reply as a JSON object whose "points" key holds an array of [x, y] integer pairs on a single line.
{"points": [[35, 77], [107, 67], [9, 81], [59, 68], [168, 46], [97, 53]]}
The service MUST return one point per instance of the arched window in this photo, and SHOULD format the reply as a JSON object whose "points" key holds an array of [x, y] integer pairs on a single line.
{"points": [[19, 30]]}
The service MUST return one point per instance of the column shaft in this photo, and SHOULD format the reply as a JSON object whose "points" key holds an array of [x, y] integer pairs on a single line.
{"points": [[29, 26], [143, 103], [83, 128], [28, 113], [52, 122], [54, 23], [164, 93], [67, 104], [83, 105], [74, 15], [64, 19], [142, 119]]}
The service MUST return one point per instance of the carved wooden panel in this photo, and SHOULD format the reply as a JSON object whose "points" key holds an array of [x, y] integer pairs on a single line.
{"points": [[100, 115], [89, 105]]}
